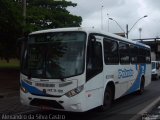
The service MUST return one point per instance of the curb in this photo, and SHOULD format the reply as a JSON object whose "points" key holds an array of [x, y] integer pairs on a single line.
{"points": [[146, 109]]}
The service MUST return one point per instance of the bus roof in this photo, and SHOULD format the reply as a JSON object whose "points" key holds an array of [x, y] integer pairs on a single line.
{"points": [[88, 31]]}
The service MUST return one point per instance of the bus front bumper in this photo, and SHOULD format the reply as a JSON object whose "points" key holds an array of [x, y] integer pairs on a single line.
{"points": [[63, 103]]}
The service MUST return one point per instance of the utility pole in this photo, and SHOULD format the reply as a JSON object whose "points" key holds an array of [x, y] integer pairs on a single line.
{"points": [[127, 30], [24, 12], [24, 16]]}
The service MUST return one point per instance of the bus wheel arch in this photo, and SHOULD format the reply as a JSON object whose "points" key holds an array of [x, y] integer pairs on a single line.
{"points": [[108, 97]]}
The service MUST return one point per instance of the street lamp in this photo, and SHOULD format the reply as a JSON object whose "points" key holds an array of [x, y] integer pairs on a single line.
{"points": [[118, 24], [128, 31]]}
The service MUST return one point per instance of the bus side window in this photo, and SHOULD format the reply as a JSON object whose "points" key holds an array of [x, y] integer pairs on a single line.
{"points": [[124, 53], [111, 55], [148, 56], [94, 59], [157, 65], [134, 54]]}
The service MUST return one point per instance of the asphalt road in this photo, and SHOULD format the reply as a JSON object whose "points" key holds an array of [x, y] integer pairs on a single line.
{"points": [[9, 80], [122, 109]]}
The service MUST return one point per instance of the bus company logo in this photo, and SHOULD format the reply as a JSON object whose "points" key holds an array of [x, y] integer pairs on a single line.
{"points": [[124, 73]]}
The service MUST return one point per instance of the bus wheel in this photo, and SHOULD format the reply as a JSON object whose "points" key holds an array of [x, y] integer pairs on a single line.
{"points": [[108, 98], [157, 77], [141, 90]]}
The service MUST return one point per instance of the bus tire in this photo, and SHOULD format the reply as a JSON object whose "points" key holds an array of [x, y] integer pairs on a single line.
{"points": [[141, 90], [107, 100], [157, 77]]}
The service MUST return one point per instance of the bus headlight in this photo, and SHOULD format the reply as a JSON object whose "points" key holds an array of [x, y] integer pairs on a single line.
{"points": [[24, 89], [74, 91]]}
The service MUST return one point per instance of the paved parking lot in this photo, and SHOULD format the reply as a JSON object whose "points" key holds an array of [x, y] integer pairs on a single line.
{"points": [[9, 93]]}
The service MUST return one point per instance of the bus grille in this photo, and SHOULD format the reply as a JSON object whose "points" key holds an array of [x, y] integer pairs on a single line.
{"points": [[47, 95], [46, 103]]}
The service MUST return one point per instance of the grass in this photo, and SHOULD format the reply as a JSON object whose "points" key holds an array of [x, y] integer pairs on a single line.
{"points": [[13, 64]]}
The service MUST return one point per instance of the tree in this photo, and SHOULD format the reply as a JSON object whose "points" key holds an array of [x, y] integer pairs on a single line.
{"points": [[44, 14], [41, 14], [10, 28]]}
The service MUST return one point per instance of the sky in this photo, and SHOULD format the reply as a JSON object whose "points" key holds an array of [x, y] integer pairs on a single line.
{"points": [[96, 13]]}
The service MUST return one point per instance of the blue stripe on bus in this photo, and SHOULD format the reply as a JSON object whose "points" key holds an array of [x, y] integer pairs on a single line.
{"points": [[31, 89], [141, 68]]}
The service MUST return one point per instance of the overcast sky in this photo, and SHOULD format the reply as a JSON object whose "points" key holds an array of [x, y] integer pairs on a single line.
{"points": [[124, 12]]}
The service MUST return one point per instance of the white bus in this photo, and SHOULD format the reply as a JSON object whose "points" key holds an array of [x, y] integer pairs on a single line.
{"points": [[78, 69]]}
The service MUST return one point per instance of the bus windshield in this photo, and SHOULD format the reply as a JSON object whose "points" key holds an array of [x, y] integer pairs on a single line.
{"points": [[54, 55]]}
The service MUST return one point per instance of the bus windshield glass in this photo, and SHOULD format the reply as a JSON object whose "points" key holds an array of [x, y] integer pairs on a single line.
{"points": [[55, 55]]}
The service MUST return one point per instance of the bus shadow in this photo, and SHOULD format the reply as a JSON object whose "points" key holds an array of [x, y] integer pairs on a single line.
{"points": [[118, 106]]}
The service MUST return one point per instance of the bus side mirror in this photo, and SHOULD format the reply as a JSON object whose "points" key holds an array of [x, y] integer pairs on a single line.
{"points": [[93, 39], [92, 42]]}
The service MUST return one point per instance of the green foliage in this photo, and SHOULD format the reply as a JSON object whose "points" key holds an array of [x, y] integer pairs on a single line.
{"points": [[10, 28], [41, 14]]}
